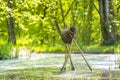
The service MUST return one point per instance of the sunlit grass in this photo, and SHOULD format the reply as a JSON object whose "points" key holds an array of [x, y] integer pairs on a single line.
{"points": [[54, 74], [88, 49], [28, 74], [117, 48], [45, 48], [93, 48]]}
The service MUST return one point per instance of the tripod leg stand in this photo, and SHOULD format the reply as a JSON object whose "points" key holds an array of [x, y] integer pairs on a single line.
{"points": [[82, 54], [68, 55]]}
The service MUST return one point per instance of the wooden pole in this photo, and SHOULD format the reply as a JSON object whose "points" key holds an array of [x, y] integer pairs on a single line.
{"points": [[82, 53]]}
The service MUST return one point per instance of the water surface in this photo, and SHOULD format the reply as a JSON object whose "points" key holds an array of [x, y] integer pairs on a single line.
{"points": [[47, 66]]}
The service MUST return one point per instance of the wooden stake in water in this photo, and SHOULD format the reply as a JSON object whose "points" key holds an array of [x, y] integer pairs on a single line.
{"points": [[82, 53]]}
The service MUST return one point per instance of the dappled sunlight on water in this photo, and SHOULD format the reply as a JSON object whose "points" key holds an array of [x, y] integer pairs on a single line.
{"points": [[48, 65]]}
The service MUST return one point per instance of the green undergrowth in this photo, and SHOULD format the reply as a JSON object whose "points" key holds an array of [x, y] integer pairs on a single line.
{"points": [[55, 74], [60, 47], [98, 49], [29, 74], [49, 49], [86, 48], [5, 48], [8, 50]]}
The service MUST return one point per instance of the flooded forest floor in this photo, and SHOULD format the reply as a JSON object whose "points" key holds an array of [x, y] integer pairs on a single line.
{"points": [[47, 67]]}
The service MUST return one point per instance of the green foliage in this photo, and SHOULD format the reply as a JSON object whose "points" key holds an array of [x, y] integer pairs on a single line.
{"points": [[5, 50], [8, 51], [98, 49], [50, 49], [117, 48], [35, 26]]}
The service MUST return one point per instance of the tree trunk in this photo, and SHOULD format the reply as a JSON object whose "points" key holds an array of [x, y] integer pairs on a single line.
{"points": [[89, 23], [105, 23], [114, 17], [10, 22], [62, 13]]}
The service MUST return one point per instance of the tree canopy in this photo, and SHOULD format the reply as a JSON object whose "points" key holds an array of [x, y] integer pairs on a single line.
{"points": [[33, 23]]}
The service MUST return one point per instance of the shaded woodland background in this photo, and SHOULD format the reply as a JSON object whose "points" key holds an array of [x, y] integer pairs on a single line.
{"points": [[30, 23]]}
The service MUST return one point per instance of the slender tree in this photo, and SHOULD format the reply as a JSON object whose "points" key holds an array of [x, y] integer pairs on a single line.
{"points": [[10, 22], [114, 18], [104, 7]]}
